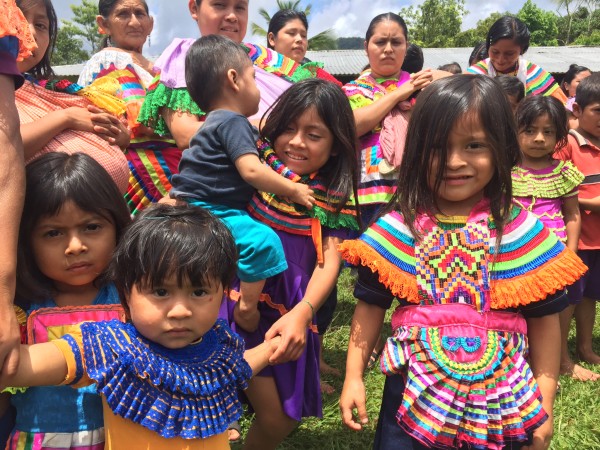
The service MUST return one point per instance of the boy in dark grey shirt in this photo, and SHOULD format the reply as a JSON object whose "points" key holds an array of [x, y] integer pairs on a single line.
{"points": [[221, 169]]}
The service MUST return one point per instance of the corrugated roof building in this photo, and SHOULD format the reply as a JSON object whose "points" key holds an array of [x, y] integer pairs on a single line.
{"points": [[347, 64]]}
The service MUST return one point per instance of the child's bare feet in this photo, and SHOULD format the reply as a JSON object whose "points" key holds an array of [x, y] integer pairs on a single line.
{"points": [[234, 432], [326, 388], [326, 369], [579, 373], [589, 357]]}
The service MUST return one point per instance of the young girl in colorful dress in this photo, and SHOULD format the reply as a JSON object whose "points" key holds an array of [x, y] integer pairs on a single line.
{"points": [[169, 378], [476, 278], [73, 217], [309, 138], [549, 188]]}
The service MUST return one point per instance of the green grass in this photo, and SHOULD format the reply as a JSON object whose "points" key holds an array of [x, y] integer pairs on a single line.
{"points": [[577, 407]]}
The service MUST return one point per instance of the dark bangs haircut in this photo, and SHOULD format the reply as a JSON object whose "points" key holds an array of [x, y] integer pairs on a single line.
{"points": [[574, 70], [206, 66], [384, 18], [534, 106], [43, 69], [508, 27], [163, 241], [280, 20], [413, 59], [511, 86], [588, 91], [52, 180], [341, 170], [106, 7], [438, 109]]}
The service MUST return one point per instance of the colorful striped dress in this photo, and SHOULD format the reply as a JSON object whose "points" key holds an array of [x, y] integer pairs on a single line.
{"points": [[58, 417], [461, 343], [376, 185], [535, 79], [152, 159]]}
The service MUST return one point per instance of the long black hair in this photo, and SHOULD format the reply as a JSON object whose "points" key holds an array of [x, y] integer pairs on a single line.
{"points": [[43, 69], [52, 180], [331, 104], [443, 104]]}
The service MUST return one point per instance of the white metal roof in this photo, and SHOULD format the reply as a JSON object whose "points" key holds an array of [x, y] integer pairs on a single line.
{"points": [[551, 59], [351, 62]]}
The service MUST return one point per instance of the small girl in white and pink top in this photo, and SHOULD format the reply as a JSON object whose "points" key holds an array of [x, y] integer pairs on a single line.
{"points": [[546, 186]]}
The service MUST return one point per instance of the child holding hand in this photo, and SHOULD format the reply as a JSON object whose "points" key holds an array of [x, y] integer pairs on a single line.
{"points": [[170, 375]]}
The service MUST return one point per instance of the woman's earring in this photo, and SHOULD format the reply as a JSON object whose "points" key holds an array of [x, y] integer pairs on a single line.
{"points": [[108, 41], [149, 40]]}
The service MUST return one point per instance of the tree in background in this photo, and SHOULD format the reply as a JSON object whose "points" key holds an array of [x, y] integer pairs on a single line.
{"points": [[68, 48], [84, 23], [323, 41], [76, 36], [434, 23], [541, 24], [473, 36]]}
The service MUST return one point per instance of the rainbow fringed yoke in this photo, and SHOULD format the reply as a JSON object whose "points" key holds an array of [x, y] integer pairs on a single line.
{"points": [[283, 215], [189, 393], [531, 262], [280, 214], [284, 67]]}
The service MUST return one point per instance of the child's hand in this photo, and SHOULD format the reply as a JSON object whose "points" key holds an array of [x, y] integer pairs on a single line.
{"points": [[353, 397], [421, 79], [274, 344], [292, 329], [303, 195], [542, 436], [246, 318], [109, 127]]}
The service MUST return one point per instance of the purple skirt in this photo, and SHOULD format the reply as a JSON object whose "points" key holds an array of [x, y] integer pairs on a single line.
{"points": [[297, 381]]}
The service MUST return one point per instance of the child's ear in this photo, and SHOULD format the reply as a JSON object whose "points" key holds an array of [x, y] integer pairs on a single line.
{"points": [[232, 80], [271, 39], [193, 9], [576, 110]]}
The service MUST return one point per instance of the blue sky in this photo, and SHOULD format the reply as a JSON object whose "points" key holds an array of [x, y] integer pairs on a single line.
{"points": [[346, 17]]}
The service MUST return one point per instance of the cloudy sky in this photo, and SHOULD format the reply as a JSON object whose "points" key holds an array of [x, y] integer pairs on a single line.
{"points": [[346, 17]]}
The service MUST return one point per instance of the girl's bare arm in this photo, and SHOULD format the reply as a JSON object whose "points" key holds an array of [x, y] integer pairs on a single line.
{"points": [[292, 326], [364, 331], [39, 365], [572, 218]]}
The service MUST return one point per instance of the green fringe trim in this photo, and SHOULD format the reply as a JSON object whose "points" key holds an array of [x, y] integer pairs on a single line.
{"points": [[176, 99], [13, 390], [331, 220], [559, 183]]}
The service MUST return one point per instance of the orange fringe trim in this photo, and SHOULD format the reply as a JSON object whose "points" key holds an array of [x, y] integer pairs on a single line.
{"points": [[401, 284], [549, 278], [14, 23]]}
